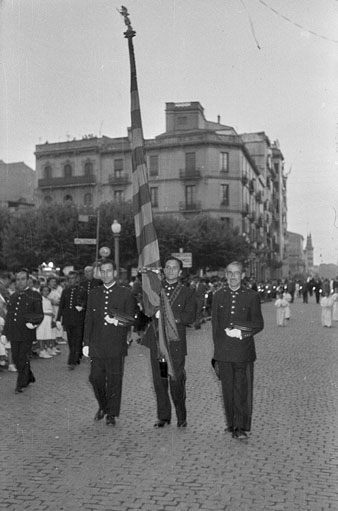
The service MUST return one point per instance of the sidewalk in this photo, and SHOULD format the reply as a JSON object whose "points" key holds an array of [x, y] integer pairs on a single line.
{"points": [[56, 458]]}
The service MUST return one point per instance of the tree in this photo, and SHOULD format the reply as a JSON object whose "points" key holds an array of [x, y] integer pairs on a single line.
{"points": [[4, 220], [212, 243]]}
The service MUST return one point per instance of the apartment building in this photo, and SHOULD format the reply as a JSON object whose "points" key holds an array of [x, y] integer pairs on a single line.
{"points": [[195, 166]]}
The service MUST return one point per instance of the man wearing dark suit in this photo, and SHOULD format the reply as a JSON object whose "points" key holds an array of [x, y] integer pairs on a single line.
{"points": [[105, 341], [236, 318], [72, 310], [89, 281], [201, 289], [24, 314], [182, 301]]}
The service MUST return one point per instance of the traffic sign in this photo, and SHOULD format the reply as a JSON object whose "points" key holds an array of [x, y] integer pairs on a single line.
{"points": [[84, 241], [185, 257]]}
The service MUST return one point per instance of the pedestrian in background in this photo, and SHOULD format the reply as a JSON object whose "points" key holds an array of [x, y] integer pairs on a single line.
{"points": [[335, 306], [45, 333], [71, 316], [24, 314], [182, 304], [105, 341], [236, 318], [326, 303], [288, 298], [281, 306]]}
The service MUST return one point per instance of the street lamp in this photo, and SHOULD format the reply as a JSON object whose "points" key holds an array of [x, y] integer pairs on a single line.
{"points": [[116, 228]]}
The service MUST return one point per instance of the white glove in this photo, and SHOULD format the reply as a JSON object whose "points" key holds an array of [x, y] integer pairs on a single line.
{"points": [[78, 308], [31, 326], [85, 351], [58, 325], [157, 315], [3, 339], [233, 332], [111, 321]]}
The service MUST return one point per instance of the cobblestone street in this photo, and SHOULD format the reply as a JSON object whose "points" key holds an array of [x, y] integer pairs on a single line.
{"points": [[54, 457]]}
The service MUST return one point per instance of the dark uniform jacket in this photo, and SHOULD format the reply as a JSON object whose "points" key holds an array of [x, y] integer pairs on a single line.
{"points": [[105, 339], [183, 307], [23, 307], [70, 298], [88, 285], [236, 309]]}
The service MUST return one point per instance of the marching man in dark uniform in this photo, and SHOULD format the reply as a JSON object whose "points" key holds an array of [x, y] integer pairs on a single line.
{"points": [[110, 312], [182, 302], [89, 281], [24, 314], [72, 310], [236, 318]]}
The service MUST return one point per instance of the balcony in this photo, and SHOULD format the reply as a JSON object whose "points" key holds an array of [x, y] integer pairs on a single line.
{"points": [[67, 182], [190, 206], [191, 174], [245, 179], [224, 203], [119, 180], [259, 196]]}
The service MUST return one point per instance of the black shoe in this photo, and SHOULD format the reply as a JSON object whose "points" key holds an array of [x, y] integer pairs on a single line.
{"points": [[182, 424], [18, 390], [161, 423], [99, 414], [31, 378], [239, 434], [110, 420], [229, 429], [71, 367]]}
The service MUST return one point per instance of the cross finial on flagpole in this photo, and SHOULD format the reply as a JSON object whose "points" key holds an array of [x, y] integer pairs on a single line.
{"points": [[130, 32]]}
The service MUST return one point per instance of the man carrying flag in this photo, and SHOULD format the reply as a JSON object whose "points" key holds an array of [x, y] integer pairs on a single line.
{"points": [[182, 304], [166, 334]]}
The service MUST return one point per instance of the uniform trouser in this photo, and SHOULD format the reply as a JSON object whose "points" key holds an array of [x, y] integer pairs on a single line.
{"points": [[237, 388], [20, 353], [106, 375], [74, 337], [177, 389]]}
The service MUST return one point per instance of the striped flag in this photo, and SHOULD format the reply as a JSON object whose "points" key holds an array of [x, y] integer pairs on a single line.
{"points": [[146, 239], [154, 297]]}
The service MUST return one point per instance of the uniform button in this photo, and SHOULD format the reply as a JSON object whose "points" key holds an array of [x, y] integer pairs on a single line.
{"points": [[232, 312]]}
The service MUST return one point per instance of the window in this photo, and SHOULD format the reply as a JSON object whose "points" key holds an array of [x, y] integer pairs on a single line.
{"points": [[47, 172], [88, 199], [190, 161], [67, 170], [224, 162], [68, 198], [118, 167], [118, 195], [153, 165], [154, 197], [190, 194], [225, 194], [88, 168]]}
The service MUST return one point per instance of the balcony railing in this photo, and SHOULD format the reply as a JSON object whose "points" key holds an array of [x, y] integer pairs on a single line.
{"points": [[190, 206], [120, 180], [65, 182], [190, 174]]}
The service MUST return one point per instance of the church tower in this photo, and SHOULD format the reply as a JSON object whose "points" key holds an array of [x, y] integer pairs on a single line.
{"points": [[308, 253]]}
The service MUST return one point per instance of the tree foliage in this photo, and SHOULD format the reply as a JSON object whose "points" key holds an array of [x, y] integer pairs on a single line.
{"points": [[47, 234]]}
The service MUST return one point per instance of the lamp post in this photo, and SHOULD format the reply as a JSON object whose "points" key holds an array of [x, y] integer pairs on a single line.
{"points": [[116, 228]]}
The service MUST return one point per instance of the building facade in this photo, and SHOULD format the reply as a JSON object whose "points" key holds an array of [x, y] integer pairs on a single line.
{"points": [[18, 185], [195, 166], [297, 264]]}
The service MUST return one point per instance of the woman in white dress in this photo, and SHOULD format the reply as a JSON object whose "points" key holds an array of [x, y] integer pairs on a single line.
{"points": [[45, 333]]}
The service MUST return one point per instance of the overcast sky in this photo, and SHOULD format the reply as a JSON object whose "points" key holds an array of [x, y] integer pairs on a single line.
{"points": [[262, 65]]}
